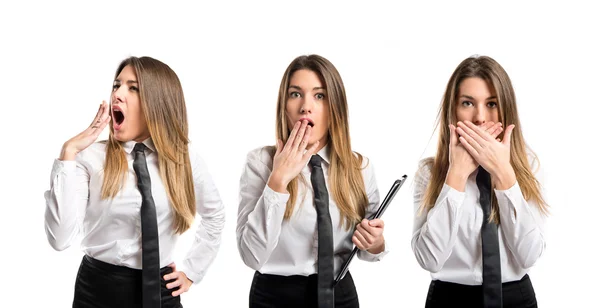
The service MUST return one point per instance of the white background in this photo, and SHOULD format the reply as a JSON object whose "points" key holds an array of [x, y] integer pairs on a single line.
{"points": [[58, 60]]}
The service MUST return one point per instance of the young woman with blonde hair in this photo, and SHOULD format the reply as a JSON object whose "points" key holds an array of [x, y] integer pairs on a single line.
{"points": [[131, 196], [303, 202], [479, 210]]}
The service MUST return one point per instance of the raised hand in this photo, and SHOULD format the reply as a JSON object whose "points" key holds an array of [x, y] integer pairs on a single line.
{"points": [[291, 158], [493, 155], [462, 164], [84, 139]]}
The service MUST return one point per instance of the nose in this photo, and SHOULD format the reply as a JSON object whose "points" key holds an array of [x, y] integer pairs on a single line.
{"points": [[118, 95], [306, 106], [480, 116]]}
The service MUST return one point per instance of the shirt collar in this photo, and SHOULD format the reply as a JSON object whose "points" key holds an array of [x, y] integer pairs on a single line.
{"points": [[324, 153], [128, 146]]}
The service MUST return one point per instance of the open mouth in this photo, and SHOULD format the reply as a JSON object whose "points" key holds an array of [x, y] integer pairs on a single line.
{"points": [[310, 122], [118, 116]]}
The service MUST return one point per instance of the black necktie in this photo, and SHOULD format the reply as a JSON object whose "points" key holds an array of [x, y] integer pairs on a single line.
{"points": [[325, 231], [492, 277], [150, 256]]}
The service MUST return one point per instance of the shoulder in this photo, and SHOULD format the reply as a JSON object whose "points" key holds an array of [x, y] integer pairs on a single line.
{"points": [[196, 159], [95, 153], [365, 162], [95, 149], [534, 161], [424, 170], [366, 166], [193, 152], [261, 155]]}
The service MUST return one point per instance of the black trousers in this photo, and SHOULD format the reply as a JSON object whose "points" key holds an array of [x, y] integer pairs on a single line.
{"points": [[274, 291], [104, 285], [515, 294]]}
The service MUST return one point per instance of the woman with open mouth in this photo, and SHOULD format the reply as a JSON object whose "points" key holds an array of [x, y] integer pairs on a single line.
{"points": [[302, 202], [131, 196]]}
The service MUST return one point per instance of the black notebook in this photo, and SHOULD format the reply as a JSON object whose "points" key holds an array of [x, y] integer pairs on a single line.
{"points": [[386, 201]]}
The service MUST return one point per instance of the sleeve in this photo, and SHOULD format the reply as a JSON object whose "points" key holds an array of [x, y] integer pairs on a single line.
{"points": [[260, 212], [522, 225], [435, 231], [374, 200], [208, 234], [66, 202]]}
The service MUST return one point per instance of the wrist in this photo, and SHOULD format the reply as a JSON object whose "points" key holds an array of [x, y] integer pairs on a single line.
{"points": [[67, 153], [378, 248], [456, 178], [277, 184], [504, 178]]}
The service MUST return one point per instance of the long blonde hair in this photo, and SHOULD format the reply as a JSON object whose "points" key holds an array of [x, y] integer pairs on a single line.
{"points": [[163, 106], [489, 70], [346, 182]]}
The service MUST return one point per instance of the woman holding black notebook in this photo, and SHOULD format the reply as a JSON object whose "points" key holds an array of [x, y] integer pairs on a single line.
{"points": [[303, 201]]}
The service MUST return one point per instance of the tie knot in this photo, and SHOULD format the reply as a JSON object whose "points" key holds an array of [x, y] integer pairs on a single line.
{"points": [[139, 147], [315, 161], [482, 175]]}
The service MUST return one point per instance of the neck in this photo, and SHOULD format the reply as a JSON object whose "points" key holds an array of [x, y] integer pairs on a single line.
{"points": [[322, 143]]}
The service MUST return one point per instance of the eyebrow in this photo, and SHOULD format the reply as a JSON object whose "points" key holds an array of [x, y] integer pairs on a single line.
{"points": [[128, 81], [299, 88], [471, 97]]}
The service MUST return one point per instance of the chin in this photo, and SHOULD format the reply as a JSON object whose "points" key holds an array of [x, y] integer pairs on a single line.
{"points": [[312, 142], [120, 136]]}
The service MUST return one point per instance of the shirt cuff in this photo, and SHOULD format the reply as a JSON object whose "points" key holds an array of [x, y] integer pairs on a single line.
{"points": [[510, 191], [377, 257], [455, 198], [64, 166], [275, 203], [274, 198], [367, 256], [191, 275], [508, 200]]}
